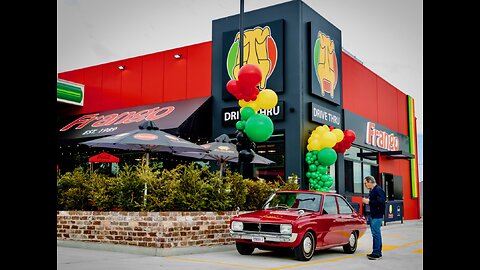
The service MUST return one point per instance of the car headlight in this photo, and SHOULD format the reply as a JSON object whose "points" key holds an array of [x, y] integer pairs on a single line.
{"points": [[237, 226], [286, 228]]}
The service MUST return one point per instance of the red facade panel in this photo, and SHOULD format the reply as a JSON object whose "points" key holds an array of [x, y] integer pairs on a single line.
{"points": [[152, 78], [359, 89], [131, 93], [93, 90], [112, 85], [199, 70], [387, 105], [402, 113], [175, 80]]}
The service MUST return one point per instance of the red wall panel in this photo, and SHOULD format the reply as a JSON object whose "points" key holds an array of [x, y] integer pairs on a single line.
{"points": [[93, 89], [112, 85], [131, 93], [175, 80], [199, 71], [402, 113], [387, 104], [152, 78], [359, 88]]}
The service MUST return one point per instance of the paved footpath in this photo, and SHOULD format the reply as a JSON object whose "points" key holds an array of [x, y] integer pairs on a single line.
{"points": [[402, 249]]}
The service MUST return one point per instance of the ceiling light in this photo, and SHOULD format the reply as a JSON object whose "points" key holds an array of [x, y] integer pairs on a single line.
{"points": [[121, 67], [177, 56]]}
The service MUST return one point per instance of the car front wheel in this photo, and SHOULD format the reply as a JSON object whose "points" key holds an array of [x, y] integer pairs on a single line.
{"points": [[351, 246], [305, 250], [244, 249]]}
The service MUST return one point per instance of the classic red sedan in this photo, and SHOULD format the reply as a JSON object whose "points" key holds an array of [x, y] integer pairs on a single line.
{"points": [[301, 220]]}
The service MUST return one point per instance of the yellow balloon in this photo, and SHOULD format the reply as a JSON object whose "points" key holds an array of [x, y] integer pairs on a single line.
{"points": [[267, 99], [253, 104], [338, 133], [329, 139]]}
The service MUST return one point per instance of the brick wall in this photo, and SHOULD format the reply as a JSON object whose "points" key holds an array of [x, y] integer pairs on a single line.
{"points": [[146, 229]]}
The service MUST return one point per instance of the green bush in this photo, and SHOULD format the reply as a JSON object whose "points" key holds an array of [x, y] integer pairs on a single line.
{"points": [[187, 187]]}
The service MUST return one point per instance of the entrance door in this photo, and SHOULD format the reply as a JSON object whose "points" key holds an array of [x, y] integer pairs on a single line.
{"points": [[393, 186], [388, 186], [397, 187]]}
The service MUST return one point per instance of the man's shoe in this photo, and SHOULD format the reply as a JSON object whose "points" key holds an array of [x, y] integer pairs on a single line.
{"points": [[368, 255], [374, 256]]}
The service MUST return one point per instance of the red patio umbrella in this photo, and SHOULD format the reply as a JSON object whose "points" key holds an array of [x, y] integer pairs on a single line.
{"points": [[104, 157]]}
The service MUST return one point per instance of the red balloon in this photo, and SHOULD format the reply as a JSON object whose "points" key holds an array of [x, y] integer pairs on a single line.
{"points": [[233, 87], [249, 75], [349, 135]]}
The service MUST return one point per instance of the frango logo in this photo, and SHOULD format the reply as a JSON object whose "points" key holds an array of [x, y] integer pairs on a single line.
{"points": [[259, 48], [325, 62]]}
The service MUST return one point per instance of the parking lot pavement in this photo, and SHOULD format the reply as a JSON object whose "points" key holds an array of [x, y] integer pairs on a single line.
{"points": [[402, 249]]}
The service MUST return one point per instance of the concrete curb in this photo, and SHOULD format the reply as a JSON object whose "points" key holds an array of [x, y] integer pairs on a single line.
{"points": [[148, 251]]}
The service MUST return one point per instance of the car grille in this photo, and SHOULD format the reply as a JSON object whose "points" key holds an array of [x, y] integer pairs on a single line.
{"points": [[261, 227]]}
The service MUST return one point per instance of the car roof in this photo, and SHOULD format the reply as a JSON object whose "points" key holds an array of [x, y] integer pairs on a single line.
{"points": [[308, 191]]}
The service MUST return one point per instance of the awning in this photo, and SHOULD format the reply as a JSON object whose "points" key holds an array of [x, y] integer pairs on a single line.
{"points": [[389, 154], [397, 154], [104, 157], [184, 117]]}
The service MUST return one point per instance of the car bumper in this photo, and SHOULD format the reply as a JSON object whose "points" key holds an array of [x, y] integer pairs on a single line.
{"points": [[281, 238]]}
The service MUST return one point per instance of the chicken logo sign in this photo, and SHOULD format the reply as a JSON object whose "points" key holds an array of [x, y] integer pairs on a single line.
{"points": [[326, 65], [259, 49]]}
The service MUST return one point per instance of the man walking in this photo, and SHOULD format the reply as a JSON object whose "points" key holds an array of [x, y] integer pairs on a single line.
{"points": [[376, 201]]}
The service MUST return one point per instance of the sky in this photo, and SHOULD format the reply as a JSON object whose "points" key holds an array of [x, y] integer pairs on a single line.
{"points": [[385, 35]]}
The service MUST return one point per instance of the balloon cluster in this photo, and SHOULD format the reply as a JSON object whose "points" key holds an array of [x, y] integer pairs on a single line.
{"points": [[323, 145], [257, 127]]}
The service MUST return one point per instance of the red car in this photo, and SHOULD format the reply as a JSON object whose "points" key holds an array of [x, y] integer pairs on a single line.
{"points": [[301, 220]]}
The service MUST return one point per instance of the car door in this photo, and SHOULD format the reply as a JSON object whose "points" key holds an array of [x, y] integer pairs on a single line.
{"points": [[331, 224], [345, 218]]}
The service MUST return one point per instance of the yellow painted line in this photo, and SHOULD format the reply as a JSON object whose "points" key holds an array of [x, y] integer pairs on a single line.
{"points": [[418, 250], [385, 247], [210, 262]]}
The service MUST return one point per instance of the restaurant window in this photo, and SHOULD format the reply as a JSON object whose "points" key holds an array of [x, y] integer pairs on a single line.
{"points": [[359, 163]]}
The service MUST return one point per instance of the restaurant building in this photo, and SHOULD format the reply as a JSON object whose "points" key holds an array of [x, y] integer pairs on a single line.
{"points": [[301, 57]]}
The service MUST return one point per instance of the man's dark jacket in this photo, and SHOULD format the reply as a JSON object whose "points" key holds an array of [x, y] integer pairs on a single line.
{"points": [[377, 202]]}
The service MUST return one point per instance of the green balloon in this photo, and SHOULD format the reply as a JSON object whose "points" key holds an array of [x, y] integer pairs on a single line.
{"points": [[240, 125], [259, 127], [326, 178], [322, 169], [312, 168], [246, 113], [327, 156]]}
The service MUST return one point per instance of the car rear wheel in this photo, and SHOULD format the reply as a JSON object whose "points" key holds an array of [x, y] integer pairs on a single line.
{"points": [[351, 246], [244, 249], [305, 250]]}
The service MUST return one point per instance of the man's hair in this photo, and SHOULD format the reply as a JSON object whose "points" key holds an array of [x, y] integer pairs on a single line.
{"points": [[370, 179]]}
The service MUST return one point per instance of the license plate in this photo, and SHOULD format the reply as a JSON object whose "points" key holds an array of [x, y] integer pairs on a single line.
{"points": [[258, 239]]}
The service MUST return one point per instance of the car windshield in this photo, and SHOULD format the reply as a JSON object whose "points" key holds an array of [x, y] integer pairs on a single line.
{"points": [[294, 200]]}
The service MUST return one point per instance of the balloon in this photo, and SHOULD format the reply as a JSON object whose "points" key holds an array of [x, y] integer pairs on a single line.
{"points": [[259, 127], [327, 156], [249, 75], [267, 99], [349, 135], [252, 104], [240, 125], [312, 168], [246, 112], [338, 134], [233, 88], [328, 139], [322, 169]]}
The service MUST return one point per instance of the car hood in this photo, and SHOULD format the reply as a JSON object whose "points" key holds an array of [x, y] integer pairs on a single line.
{"points": [[272, 216]]}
